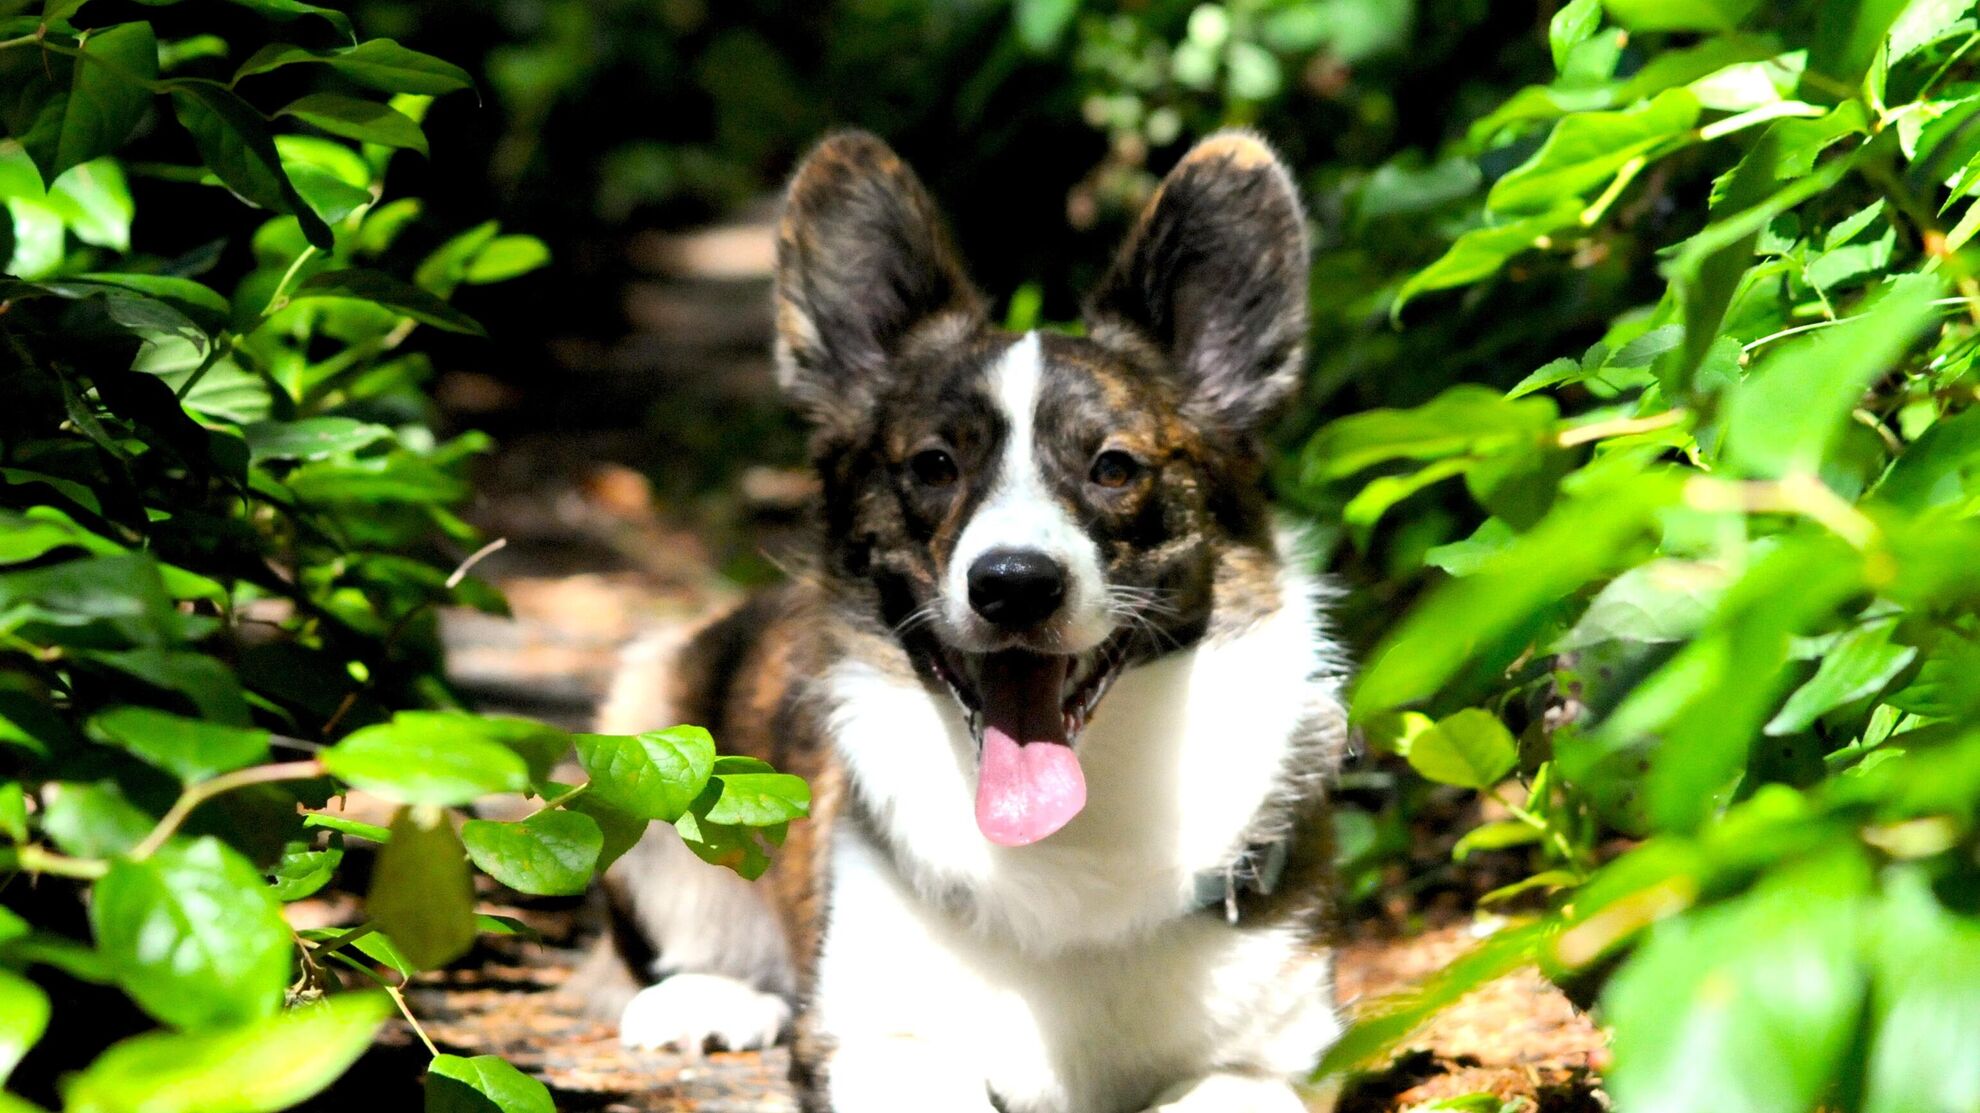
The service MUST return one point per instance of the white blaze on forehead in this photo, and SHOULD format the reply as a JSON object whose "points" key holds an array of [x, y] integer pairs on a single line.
{"points": [[1020, 512]]}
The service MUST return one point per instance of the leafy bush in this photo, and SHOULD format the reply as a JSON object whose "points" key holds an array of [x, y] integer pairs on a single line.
{"points": [[224, 528], [1721, 580]]}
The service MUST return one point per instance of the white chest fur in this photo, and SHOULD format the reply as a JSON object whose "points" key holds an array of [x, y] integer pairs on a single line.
{"points": [[1075, 976]]}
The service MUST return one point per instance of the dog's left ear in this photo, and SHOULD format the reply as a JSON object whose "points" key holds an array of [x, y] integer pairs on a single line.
{"points": [[1214, 278]]}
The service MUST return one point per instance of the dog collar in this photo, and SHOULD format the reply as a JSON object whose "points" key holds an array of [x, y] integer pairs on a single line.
{"points": [[1257, 869]]}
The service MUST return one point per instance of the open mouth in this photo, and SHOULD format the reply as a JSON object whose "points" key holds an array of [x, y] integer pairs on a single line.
{"points": [[1028, 710]]}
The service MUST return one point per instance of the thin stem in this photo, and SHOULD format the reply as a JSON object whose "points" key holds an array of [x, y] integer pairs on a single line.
{"points": [[36, 859], [559, 800], [1949, 63], [460, 571], [1624, 175], [22, 40], [1547, 830], [222, 344], [1799, 494], [399, 999], [280, 297], [198, 794], [339, 942], [1619, 427], [1719, 129]]}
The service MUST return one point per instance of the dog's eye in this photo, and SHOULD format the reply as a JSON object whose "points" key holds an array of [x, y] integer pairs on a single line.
{"points": [[1114, 468], [933, 467]]}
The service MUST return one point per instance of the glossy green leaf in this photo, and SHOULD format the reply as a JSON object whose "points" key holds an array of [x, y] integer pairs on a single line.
{"points": [[1497, 835], [193, 935], [1587, 149], [1482, 252], [506, 257], [302, 871], [23, 1018], [379, 288], [1679, 15], [1787, 412], [376, 63], [262, 1067], [656, 775], [549, 854], [95, 203], [312, 438], [483, 1084], [1470, 749], [1744, 1007], [94, 101], [1464, 420], [355, 118], [426, 760], [1923, 1014], [760, 799], [1663, 601], [1860, 665], [236, 144], [190, 749], [421, 894], [1571, 25]]}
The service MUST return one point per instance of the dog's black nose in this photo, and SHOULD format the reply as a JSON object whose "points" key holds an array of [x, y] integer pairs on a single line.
{"points": [[1016, 589]]}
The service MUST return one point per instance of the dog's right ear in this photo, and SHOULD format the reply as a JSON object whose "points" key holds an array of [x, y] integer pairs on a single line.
{"points": [[863, 263]]}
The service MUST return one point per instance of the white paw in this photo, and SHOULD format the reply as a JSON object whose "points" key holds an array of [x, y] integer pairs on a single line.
{"points": [[694, 1011], [1230, 1093]]}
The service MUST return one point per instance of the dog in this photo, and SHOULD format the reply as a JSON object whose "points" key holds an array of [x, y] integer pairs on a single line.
{"points": [[1059, 682]]}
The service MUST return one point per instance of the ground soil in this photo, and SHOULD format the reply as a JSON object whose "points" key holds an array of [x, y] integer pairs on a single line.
{"points": [[594, 558]]}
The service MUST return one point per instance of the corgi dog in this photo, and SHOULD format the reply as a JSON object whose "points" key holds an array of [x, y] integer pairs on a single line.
{"points": [[1060, 684]]}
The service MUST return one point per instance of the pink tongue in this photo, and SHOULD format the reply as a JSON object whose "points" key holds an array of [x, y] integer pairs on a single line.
{"points": [[1028, 780]]}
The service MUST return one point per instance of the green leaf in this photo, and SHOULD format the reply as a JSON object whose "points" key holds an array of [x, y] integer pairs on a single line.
{"points": [[199, 303], [1662, 601], [1783, 417], [359, 119], [1464, 420], [483, 1084], [621, 829], [23, 1017], [349, 827], [1497, 835], [1481, 252], [376, 63], [312, 438], [13, 811], [189, 749], [422, 895], [1846, 41], [426, 760], [237, 146], [382, 289], [1861, 663], [193, 935], [95, 202], [540, 746], [1924, 1014], [549, 854], [261, 1067], [1470, 749], [108, 89], [1941, 467], [1585, 150], [1042, 23], [653, 776], [506, 257], [293, 9], [92, 820], [1747, 1006], [1511, 590], [302, 870], [1385, 1022], [1573, 24], [1679, 15], [721, 844], [760, 799]]}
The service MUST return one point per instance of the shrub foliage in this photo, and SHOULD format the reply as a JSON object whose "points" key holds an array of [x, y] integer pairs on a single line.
{"points": [[224, 528], [1723, 584]]}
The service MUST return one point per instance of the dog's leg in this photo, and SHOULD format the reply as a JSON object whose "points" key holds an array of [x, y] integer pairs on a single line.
{"points": [[724, 967], [901, 1074], [1232, 1093]]}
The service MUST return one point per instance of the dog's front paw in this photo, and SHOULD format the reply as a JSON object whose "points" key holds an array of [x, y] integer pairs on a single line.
{"points": [[696, 1011], [1230, 1093]]}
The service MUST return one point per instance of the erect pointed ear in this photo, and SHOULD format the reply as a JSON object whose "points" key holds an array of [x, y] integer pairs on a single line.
{"points": [[1213, 278], [863, 264]]}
